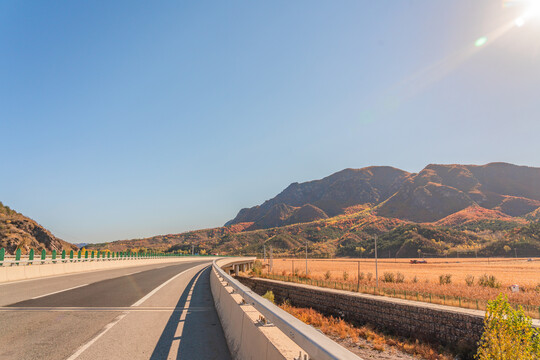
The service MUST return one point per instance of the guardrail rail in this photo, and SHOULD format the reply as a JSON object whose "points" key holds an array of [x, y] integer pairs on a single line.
{"points": [[79, 256], [315, 343]]}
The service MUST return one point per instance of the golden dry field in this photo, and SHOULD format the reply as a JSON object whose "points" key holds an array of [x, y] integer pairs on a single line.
{"points": [[425, 278]]}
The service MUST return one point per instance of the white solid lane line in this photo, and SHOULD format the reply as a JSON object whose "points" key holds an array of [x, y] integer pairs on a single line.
{"points": [[59, 291], [105, 329], [143, 299], [123, 315]]}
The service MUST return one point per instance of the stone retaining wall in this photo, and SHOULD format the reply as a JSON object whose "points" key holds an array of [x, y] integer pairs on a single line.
{"points": [[457, 328]]}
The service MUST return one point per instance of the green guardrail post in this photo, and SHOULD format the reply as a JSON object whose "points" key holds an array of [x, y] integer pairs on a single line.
{"points": [[79, 254], [98, 253], [71, 254], [31, 255], [93, 254], [53, 256], [109, 255], [86, 254], [2, 255], [18, 256], [43, 255], [63, 254]]}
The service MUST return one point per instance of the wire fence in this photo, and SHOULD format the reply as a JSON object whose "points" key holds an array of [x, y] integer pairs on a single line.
{"points": [[459, 301]]}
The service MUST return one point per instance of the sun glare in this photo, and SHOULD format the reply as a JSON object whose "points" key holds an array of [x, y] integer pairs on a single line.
{"points": [[532, 12]]}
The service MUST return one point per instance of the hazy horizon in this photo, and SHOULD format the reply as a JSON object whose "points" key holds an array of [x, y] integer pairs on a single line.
{"points": [[131, 119]]}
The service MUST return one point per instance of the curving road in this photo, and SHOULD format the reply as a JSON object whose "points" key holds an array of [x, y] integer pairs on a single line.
{"points": [[159, 311]]}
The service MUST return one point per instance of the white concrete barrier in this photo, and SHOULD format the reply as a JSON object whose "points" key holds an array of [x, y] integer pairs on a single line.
{"points": [[248, 335], [257, 329], [24, 272]]}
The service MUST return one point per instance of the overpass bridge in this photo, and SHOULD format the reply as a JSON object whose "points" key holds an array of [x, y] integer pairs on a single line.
{"points": [[172, 308]]}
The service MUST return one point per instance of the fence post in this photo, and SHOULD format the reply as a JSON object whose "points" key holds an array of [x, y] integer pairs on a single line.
{"points": [[43, 255], [98, 253], [71, 254], [86, 254], [109, 255], [2, 255], [18, 256], [63, 255], [92, 254], [31, 256], [53, 256]]}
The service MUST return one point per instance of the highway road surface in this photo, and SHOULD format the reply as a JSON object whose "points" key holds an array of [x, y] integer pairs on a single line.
{"points": [[158, 311]]}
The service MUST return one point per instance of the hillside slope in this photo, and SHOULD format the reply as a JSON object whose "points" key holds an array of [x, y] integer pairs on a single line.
{"points": [[441, 190], [328, 196], [431, 195], [18, 231]]}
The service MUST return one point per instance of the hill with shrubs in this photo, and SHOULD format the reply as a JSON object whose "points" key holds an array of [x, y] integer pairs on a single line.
{"points": [[20, 232], [444, 210]]}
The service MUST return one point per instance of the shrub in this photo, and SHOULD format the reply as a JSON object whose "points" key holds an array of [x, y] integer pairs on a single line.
{"points": [[269, 295], [489, 281], [400, 278], [389, 277], [508, 333], [369, 276], [469, 280], [445, 279], [361, 276], [415, 279], [327, 275], [257, 268]]}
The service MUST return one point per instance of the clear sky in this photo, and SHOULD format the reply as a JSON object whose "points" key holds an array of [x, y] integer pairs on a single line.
{"points": [[126, 119]]}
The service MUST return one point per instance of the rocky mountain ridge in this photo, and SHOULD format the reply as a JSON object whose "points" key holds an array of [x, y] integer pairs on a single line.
{"points": [[18, 231], [428, 196]]}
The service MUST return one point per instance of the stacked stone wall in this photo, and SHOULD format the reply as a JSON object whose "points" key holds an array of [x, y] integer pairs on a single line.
{"points": [[457, 328]]}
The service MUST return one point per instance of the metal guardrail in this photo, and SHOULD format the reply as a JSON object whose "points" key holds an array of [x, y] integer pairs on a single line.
{"points": [[76, 257], [315, 343]]}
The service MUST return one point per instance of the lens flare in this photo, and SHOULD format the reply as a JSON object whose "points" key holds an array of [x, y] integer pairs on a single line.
{"points": [[481, 41]]}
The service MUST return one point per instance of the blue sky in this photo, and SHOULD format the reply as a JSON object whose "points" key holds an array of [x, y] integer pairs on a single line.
{"points": [[126, 119]]}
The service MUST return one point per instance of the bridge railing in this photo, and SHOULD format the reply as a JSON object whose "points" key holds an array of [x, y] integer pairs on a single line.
{"points": [[55, 257], [316, 344]]}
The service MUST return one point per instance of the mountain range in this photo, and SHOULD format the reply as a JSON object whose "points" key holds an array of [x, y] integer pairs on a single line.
{"points": [[443, 209], [432, 194]]}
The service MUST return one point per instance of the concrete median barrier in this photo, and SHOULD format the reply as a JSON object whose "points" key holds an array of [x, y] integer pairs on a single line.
{"points": [[36, 271], [248, 335]]}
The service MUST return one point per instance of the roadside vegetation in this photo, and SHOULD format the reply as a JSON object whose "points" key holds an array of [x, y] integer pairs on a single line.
{"points": [[508, 334], [364, 338]]}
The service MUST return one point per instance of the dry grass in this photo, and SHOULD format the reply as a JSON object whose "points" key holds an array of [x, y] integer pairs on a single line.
{"points": [[425, 278], [334, 327]]}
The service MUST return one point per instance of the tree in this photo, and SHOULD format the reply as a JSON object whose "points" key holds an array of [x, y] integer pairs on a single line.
{"points": [[508, 333]]}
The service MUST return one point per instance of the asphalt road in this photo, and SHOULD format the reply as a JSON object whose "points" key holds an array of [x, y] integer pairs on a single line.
{"points": [[162, 311]]}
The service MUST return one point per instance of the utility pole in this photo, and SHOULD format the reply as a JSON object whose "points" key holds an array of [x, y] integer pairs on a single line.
{"points": [[271, 262], [358, 278], [306, 259], [376, 264]]}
